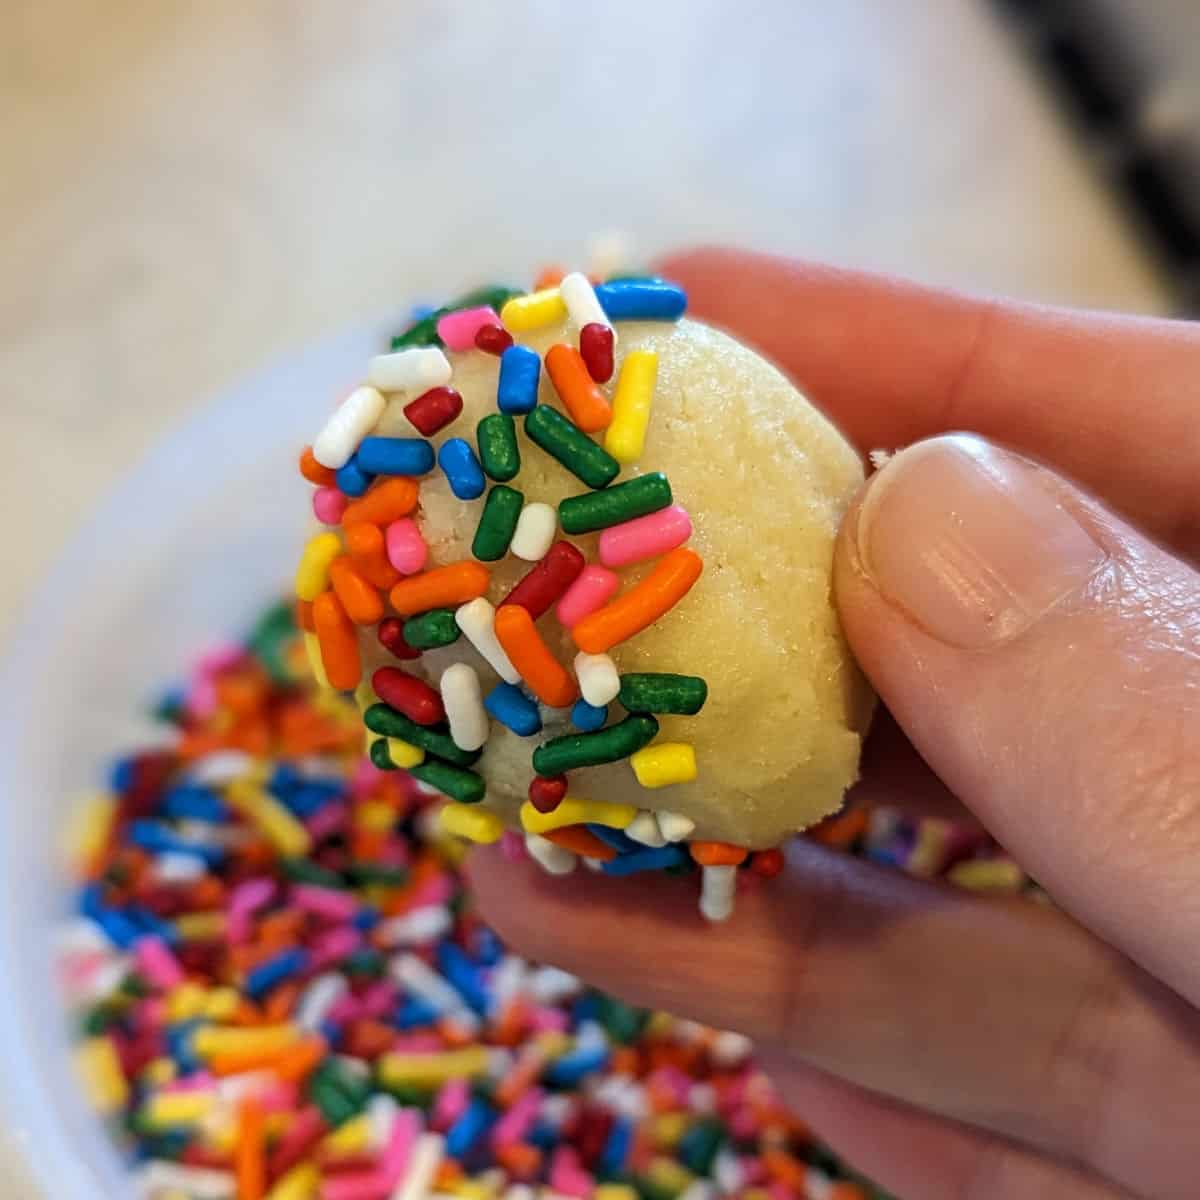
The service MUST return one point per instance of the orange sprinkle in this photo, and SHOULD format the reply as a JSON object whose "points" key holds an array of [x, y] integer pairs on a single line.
{"points": [[782, 1166], [519, 1159], [841, 829], [367, 547], [642, 605], [543, 674], [299, 1061], [339, 642], [362, 602], [579, 392], [846, 1191], [369, 1039], [548, 277], [279, 1005], [242, 692], [314, 472], [250, 1164], [448, 1172], [579, 840], [281, 929], [717, 854], [443, 587], [304, 619], [384, 503]]}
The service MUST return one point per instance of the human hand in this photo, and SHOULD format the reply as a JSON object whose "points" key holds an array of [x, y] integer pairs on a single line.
{"points": [[1036, 641]]}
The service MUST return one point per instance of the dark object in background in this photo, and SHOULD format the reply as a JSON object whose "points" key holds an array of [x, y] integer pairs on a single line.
{"points": [[1129, 74]]}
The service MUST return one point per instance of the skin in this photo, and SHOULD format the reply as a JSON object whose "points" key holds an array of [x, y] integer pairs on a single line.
{"points": [[951, 1046]]}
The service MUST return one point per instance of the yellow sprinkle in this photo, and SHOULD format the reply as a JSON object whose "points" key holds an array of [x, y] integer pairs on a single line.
{"points": [[272, 820], [354, 1137], [614, 1191], [471, 822], [221, 1004], [403, 754], [755, 1194], [429, 1070], [472, 1189], [365, 696], [200, 926], [987, 875], [577, 812], [669, 1175], [534, 311], [335, 706], [221, 1135], [553, 1043], [186, 1002], [312, 575], [88, 831], [929, 847], [210, 1041], [158, 1071], [103, 1080], [374, 816], [300, 1183], [664, 763], [625, 438], [316, 664], [168, 1109], [668, 1128]]}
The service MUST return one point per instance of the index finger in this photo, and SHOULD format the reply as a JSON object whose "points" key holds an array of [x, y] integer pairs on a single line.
{"points": [[1110, 400]]}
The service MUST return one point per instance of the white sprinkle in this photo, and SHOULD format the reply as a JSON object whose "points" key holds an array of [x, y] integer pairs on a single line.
{"points": [[415, 928], [595, 865], [698, 1189], [173, 867], [644, 828], [507, 981], [717, 891], [817, 1184], [344, 431], [416, 369], [81, 935], [158, 1177], [318, 998], [727, 1171], [422, 1167], [550, 985], [675, 826], [424, 983], [534, 535], [222, 767], [463, 702], [730, 1049], [598, 678], [702, 1098], [582, 305], [381, 1115], [518, 1191], [555, 860], [477, 620]]}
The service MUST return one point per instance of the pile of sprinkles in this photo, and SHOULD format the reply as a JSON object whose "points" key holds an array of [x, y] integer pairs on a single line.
{"points": [[371, 570]]}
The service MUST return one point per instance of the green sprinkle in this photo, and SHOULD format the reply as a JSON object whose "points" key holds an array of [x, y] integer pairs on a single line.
{"points": [[424, 332], [364, 961], [432, 629], [388, 723], [459, 784], [364, 873], [663, 693], [574, 750], [304, 870], [496, 437], [270, 639], [699, 1145], [599, 510], [497, 523], [561, 439], [381, 758]]}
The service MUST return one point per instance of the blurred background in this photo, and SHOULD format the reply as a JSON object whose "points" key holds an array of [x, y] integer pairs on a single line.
{"points": [[187, 190]]}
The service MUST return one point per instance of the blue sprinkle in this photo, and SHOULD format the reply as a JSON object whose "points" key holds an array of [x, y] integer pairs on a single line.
{"points": [[284, 778], [462, 469], [147, 922], [274, 971], [158, 839], [395, 456], [543, 1135], [572, 1067], [414, 1013], [120, 930], [513, 709], [520, 369], [641, 300], [469, 1128], [352, 479], [331, 1031], [646, 859], [419, 312], [588, 717], [616, 1149], [366, 919], [121, 779], [310, 798], [488, 950], [179, 1045], [193, 802], [585, 1008], [463, 976], [616, 839]]}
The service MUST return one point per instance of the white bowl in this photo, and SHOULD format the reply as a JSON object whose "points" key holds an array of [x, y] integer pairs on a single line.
{"points": [[187, 551]]}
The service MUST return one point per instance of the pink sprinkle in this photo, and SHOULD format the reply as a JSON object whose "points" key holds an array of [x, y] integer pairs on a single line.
{"points": [[202, 699], [567, 1174], [329, 505], [451, 1103], [327, 820], [673, 1080], [220, 659], [244, 901], [200, 1081], [742, 1122], [512, 846], [406, 549], [458, 329], [437, 890], [778, 1190], [418, 1043], [593, 588], [150, 1011], [395, 1155], [379, 999], [355, 1185], [645, 537], [278, 1096], [753, 1171], [345, 1008], [552, 1020], [519, 1119], [367, 777], [333, 946], [325, 902]]}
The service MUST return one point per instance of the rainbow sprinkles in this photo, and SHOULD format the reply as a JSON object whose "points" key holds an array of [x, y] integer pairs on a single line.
{"points": [[372, 573]]}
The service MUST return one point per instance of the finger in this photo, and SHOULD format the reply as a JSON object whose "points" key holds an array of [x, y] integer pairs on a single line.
{"points": [[892, 362], [1003, 1015], [922, 1157], [1042, 656]]}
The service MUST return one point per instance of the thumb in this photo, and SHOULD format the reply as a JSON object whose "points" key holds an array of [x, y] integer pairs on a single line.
{"points": [[1042, 657]]}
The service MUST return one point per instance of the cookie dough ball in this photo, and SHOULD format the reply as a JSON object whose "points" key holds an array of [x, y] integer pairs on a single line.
{"points": [[766, 480]]}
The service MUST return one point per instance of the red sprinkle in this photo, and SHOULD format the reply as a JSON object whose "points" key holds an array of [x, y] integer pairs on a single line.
{"points": [[391, 637], [409, 695], [767, 863], [493, 339], [596, 348], [547, 580], [434, 409], [546, 794]]}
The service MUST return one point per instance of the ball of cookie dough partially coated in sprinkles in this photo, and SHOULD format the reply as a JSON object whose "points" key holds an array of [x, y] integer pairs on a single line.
{"points": [[577, 570]]}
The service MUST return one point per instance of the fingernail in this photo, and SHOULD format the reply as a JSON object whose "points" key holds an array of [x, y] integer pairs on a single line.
{"points": [[970, 541]]}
